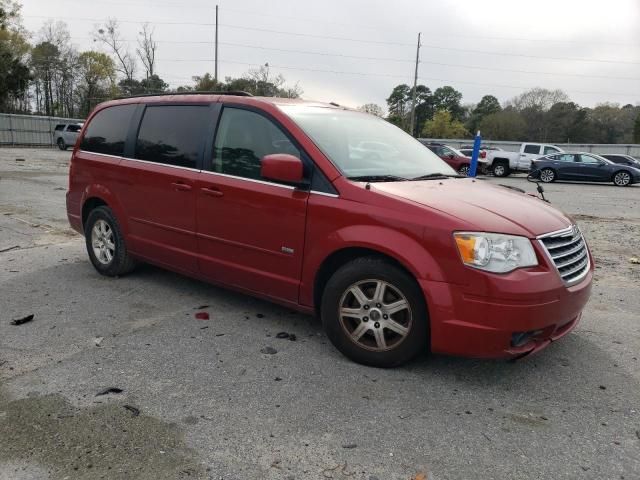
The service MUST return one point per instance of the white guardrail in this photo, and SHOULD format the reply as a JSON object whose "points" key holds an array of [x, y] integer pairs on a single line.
{"points": [[29, 130], [624, 148]]}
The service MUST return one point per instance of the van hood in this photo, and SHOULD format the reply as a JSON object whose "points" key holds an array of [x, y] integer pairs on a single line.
{"points": [[481, 206]]}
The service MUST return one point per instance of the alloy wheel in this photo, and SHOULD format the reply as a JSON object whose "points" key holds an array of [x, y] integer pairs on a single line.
{"points": [[102, 242], [622, 179], [464, 171], [375, 314], [498, 170], [547, 175]]}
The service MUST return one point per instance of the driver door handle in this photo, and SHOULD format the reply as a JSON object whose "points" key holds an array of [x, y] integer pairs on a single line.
{"points": [[183, 187], [212, 192]]}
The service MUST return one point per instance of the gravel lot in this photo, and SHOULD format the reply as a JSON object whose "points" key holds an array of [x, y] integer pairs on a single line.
{"points": [[211, 405]]}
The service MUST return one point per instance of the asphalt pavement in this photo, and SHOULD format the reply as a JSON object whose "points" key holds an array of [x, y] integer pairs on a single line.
{"points": [[190, 398]]}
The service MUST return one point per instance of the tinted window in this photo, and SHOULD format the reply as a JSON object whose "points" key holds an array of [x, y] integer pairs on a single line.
{"points": [[108, 130], [532, 149], [173, 134], [243, 138], [73, 128], [548, 150], [589, 159], [616, 159], [59, 127]]}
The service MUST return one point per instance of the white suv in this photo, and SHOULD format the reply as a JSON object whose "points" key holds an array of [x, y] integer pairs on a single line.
{"points": [[66, 134]]}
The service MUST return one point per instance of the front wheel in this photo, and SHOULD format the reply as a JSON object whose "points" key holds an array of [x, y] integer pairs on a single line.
{"points": [[375, 313], [61, 144], [105, 243], [622, 179], [547, 175]]}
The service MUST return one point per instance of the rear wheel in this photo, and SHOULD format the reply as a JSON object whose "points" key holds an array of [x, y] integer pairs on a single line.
{"points": [[622, 179], [105, 243], [374, 313], [501, 168], [61, 144], [547, 175], [464, 170]]}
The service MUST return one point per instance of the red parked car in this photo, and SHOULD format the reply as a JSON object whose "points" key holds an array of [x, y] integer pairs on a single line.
{"points": [[454, 158], [274, 197]]}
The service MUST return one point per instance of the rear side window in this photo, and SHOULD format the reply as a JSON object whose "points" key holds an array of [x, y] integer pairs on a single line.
{"points": [[107, 131], [59, 128], [173, 134], [243, 138], [616, 159], [73, 128], [535, 149]]}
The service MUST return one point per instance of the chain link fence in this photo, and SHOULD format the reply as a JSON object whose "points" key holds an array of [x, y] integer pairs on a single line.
{"points": [[30, 130]]}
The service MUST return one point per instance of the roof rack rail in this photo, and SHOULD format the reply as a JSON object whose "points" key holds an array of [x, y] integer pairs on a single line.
{"points": [[237, 93]]}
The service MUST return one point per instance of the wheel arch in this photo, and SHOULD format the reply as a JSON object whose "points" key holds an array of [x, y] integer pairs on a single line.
{"points": [[98, 195]]}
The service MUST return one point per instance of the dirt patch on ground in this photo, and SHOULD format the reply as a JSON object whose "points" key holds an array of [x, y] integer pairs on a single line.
{"points": [[105, 441]]}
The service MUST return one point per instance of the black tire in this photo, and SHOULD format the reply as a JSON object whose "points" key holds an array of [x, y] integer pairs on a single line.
{"points": [[621, 178], [401, 348], [548, 175], [61, 144], [501, 168], [464, 170], [120, 262]]}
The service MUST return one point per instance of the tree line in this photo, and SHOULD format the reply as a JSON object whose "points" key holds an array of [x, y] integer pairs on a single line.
{"points": [[537, 115], [48, 76]]}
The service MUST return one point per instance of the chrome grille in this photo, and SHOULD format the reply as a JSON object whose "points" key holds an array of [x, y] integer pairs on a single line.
{"points": [[568, 252]]}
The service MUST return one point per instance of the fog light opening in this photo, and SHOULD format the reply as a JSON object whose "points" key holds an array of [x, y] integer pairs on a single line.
{"points": [[518, 339]]}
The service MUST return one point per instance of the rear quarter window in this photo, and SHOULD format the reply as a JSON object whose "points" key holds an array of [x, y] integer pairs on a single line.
{"points": [[59, 128], [173, 134], [107, 131]]}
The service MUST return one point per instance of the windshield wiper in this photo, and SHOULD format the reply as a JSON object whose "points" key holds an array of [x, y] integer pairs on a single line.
{"points": [[378, 178], [437, 176]]}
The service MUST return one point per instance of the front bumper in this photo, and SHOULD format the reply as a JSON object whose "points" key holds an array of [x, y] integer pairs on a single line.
{"points": [[470, 325]]}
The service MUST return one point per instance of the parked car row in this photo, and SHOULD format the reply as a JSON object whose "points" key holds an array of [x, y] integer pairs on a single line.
{"points": [[622, 170]]}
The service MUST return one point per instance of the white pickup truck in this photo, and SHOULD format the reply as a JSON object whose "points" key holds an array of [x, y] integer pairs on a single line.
{"points": [[502, 163]]}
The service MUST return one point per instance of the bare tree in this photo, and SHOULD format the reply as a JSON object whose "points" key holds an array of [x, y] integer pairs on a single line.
{"points": [[110, 36], [147, 49], [372, 108]]}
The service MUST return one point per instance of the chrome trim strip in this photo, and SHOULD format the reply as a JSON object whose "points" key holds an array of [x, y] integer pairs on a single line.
{"points": [[263, 182], [577, 268], [160, 164], [573, 240], [557, 233], [332, 195], [100, 154], [575, 249]]}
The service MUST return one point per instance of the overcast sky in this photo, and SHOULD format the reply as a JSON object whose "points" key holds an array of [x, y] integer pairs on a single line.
{"points": [[363, 48]]}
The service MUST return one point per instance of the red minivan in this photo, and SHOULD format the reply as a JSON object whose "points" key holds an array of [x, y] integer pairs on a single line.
{"points": [[275, 197]]}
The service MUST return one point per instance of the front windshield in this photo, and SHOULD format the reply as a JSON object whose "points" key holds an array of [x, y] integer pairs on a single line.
{"points": [[362, 145]]}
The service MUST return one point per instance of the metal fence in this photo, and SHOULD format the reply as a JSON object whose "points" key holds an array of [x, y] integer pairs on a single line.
{"points": [[624, 148], [29, 130]]}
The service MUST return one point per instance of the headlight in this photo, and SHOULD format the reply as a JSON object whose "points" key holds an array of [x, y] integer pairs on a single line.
{"points": [[495, 252]]}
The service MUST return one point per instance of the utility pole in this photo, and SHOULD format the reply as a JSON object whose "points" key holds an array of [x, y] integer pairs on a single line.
{"points": [[415, 85], [215, 72]]}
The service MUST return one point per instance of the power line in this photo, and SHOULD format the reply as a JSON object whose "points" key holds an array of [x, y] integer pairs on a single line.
{"points": [[366, 27], [357, 40]]}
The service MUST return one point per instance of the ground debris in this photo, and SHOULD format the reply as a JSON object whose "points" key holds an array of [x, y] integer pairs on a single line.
{"points": [[268, 351], [635, 260], [109, 390], [9, 248], [134, 411], [98, 341], [340, 468], [22, 320], [287, 335], [202, 315], [349, 445]]}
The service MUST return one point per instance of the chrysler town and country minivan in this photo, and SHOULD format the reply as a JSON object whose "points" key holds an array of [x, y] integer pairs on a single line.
{"points": [[278, 198]]}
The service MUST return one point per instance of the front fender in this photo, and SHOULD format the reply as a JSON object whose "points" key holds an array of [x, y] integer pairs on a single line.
{"points": [[407, 251]]}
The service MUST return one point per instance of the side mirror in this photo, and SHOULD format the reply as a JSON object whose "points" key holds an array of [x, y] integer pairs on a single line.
{"points": [[282, 167]]}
